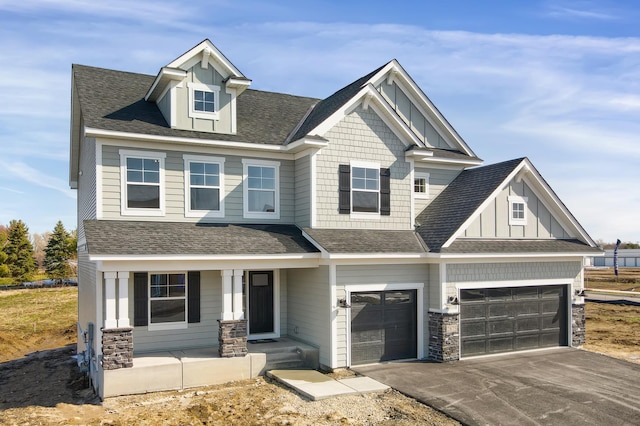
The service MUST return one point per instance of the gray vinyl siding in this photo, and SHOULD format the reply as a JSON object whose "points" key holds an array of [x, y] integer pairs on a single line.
{"points": [[202, 334], [496, 274], [377, 274], [411, 115], [493, 222], [174, 189], [362, 136], [86, 184], [303, 191], [308, 314], [210, 76], [439, 179], [86, 296], [164, 105]]}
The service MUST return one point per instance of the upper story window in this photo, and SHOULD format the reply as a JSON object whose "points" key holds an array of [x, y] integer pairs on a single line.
{"points": [[421, 185], [364, 190], [167, 299], [142, 177], [517, 210], [204, 101], [261, 189], [204, 186]]}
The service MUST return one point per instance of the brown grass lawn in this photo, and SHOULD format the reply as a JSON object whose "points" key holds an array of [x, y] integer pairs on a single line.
{"points": [[37, 319]]}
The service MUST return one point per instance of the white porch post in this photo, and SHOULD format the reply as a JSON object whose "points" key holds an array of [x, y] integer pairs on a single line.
{"points": [[238, 313], [227, 301], [123, 300], [110, 299]]}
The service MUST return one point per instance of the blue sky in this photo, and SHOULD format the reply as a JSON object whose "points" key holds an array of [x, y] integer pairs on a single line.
{"points": [[556, 81]]}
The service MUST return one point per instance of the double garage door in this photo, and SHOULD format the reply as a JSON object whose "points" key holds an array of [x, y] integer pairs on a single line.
{"points": [[494, 320], [383, 326]]}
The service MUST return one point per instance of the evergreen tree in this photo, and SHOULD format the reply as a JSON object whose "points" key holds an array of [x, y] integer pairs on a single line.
{"points": [[58, 252], [19, 251]]}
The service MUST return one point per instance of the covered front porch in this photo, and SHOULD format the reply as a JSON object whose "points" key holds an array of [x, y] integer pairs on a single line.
{"points": [[188, 368]]}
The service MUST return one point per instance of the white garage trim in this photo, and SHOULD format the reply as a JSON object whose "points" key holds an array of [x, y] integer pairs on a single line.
{"points": [[419, 287]]}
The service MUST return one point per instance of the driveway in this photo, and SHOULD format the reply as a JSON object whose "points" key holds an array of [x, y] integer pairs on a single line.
{"points": [[560, 386]]}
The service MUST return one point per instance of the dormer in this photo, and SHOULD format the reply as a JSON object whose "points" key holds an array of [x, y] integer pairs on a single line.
{"points": [[198, 91]]}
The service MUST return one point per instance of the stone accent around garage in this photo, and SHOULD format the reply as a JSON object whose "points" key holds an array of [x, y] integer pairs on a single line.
{"points": [[117, 348], [232, 338], [577, 325], [444, 337]]}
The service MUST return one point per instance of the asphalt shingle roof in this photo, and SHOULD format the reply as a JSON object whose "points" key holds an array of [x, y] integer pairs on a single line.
{"points": [[366, 241], [465, 245], [444, 215], [175, 238]]}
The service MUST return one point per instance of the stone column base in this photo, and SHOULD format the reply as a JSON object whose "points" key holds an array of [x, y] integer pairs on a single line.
{"points": [[117, 348], [577, 325], [232, 338], [444, 337]]}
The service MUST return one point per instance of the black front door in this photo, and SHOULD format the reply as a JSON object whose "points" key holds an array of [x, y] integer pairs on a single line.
{"points": [[261, 302]]}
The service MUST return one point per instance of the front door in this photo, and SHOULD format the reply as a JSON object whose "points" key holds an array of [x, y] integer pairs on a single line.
{"points": [[261, 302]]}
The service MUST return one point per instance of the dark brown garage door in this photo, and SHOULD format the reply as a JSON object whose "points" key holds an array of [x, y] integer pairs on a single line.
{"points": [[494, 320], [383, 326]]}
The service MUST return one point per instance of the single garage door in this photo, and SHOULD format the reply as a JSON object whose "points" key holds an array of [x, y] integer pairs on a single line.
{"points": [[383, 326], [494, 320]]}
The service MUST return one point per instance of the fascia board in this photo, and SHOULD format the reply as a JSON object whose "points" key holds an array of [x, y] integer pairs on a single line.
{"points": [[369, 93], [422, 101], [484, 204], [215, 54]]}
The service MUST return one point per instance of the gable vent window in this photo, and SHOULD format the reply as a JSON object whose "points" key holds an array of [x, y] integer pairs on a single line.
{"points": [[364, 189], [204, 101], [517, 210]]}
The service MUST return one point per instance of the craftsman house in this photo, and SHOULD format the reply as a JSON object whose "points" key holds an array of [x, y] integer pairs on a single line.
{"points": [[217, 223]]}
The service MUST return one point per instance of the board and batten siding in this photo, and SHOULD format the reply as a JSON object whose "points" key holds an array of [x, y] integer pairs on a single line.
{"points": [[348, 275], [174, 188], [86, 184], [493, 222], [439, 179], [362, 136], [411, 115], [87, 288], [308, 311], [196, 335], [303, 191]]}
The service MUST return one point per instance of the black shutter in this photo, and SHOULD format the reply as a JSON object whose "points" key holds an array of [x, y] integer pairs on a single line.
{"points": [[344, 172], [385, 192], [194, 296], [140, 299]]}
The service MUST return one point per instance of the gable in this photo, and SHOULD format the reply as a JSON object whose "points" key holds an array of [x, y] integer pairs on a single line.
{"points": [[539, 222]]}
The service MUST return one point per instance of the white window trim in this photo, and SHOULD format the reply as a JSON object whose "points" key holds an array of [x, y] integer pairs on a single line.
{"points": [[126, 211], [513, 199], [215, 115], [168, 325], [188, 159], [422, 195], [366, 165], [245, 189]]}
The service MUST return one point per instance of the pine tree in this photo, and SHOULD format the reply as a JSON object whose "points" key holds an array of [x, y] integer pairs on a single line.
{"points": [[19, 251], [57, 253]]}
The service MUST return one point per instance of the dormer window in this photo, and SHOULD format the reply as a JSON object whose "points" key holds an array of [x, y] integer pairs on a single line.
{"points": [[204, 100]]}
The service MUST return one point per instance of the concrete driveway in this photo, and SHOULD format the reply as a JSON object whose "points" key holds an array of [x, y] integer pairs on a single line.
{"points": [[560, 386]]}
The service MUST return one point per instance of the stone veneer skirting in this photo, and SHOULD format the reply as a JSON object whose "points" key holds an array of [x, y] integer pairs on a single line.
{"points": [[577, 325], [232, 338], [444, 337], [117, 348]]}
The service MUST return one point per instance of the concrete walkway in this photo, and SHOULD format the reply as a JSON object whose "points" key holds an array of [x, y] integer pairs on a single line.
{"points": [[316, 386], [549, 387]]}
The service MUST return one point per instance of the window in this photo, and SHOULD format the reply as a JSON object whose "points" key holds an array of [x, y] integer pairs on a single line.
{"points": [[261, 189], [517, 210], [168, 298], [204, 186], [421, 185], [204, 101], [142, 176], [365, 189]]}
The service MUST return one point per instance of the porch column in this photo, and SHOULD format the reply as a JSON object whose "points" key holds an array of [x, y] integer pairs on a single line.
{"points": [[110, 300], [227, 300], [123, 300], [238, 313]]}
